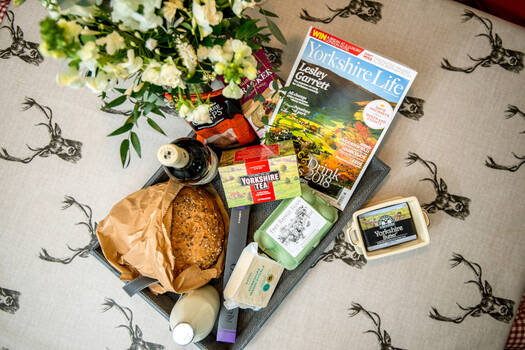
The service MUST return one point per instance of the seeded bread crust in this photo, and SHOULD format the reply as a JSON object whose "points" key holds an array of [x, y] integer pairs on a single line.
{"points": [[197, 229]]}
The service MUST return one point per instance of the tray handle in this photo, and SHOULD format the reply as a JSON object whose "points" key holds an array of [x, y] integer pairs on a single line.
{"points": [[138, 284]]}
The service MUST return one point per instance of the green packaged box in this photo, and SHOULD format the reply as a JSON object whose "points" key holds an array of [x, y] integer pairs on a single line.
{"points": [[295, 227], [258, 174]]}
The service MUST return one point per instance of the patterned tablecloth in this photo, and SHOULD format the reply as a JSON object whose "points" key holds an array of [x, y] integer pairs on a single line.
{"points": [[460, 130]]}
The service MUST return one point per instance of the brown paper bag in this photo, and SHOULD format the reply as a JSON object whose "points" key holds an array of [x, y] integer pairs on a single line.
{"points": [[135, 239]]}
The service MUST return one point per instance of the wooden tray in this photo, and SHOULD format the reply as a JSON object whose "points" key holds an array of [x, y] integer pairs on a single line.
{"points": [[249, 321]]}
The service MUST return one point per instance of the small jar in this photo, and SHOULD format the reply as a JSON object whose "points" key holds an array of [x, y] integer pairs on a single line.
{"points": [[194, 314]]}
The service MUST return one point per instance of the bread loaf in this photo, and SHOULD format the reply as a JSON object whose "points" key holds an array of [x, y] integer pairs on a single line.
{"points": [[197, 230]]}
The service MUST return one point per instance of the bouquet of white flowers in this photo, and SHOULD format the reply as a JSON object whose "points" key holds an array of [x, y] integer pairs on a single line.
{"points": [[154, 48]]}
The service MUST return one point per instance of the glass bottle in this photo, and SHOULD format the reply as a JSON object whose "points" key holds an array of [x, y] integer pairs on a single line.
{"points": [[193, 316], [188, 161]]}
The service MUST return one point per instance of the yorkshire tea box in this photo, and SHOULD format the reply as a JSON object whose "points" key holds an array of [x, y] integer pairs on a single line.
{"points": [[260, 173]]}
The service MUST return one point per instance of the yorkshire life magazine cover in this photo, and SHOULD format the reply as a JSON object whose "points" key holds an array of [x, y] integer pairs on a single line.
{"points": [[339, 102]]}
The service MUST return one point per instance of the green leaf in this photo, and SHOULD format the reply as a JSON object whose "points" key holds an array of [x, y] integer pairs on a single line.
{"points": [[120, 90], [275, 85], [246, 28], [124, 152], [124, 128], [88, 38], [250, 89], [275, 31], [148, 108], [259, 98], [267, 13], [264, 119], [155, 126], [217, 29], [187, 26], [136, 114], [207, 42], [157, 111], [116, 102], [136, 143]]}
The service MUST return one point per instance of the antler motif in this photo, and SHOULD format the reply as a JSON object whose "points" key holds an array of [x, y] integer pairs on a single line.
{"points": [[492, 164], [383, 337], [344, 251], [453, 205], [82, 252], [510, 60], [65, 149], [510, 112], [25, 50], [367, 10], [135, 332], [500, 309]]}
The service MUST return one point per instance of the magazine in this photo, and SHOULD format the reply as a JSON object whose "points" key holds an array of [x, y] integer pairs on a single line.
{"points": [[339, 102]]}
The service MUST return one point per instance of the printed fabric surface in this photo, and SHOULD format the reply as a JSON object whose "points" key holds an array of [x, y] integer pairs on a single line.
{"points": [[457, 144]]}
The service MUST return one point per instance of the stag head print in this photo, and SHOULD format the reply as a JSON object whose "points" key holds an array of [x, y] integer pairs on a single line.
{"points": [[274, 55], [500, 309], [412, 108], [385, 342], [367, 10], [9, 300], [25, 50], [66, 149], [454, 205], [509, 113], [510, 60], [344, 251], [82, 252], [135, 333]]}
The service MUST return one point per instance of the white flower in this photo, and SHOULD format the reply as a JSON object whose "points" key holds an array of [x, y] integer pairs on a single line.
{"points": [[126, 11], [152, 73], [112, 69], [113, 42], [206, 16], [239, 6], [187, 53], [200, 115], [184, 110], [101, 82], [72, 29], [81, 11], [241, 50], [151, 44], [219, 68], [170, 75], [87, 31], [70, 78], [232, 91], [249, 71], [170, 9], [220, 54], [138, 87], [202, 53], [133, 63], [88, 54]]}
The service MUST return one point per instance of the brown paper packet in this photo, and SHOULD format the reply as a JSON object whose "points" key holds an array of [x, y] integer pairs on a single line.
{"points": [[135, 239]]}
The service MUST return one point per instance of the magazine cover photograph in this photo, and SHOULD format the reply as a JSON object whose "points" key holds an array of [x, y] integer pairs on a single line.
{"points": [[339, 100]]}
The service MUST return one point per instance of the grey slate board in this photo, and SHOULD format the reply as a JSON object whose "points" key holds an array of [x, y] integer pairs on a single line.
{"points": [[250, 321]]}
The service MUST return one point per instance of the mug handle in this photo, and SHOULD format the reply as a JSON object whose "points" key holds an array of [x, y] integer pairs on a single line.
{"points": [[351, 235], [425, 215]]}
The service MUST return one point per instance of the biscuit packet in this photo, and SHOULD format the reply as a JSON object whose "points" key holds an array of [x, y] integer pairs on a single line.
{"points": [[135, 238]]}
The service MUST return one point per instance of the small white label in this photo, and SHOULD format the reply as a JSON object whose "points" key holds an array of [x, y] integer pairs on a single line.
{"points": [[296, 226], [377, 114]]}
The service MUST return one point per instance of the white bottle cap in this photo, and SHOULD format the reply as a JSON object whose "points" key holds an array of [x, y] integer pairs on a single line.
{"points": [[173, 156], [182, 334]]}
